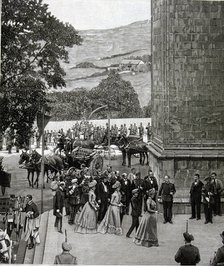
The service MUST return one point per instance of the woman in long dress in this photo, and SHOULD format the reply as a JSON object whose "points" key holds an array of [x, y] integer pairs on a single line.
{"points": [[87, 220], [146, 234], [111, 222]]}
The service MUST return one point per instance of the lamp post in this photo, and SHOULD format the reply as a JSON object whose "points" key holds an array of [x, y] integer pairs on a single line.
{"points": [[42, 161], [108, 133]]}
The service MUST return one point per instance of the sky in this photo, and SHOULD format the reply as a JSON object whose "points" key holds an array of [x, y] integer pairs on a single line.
{"points": [[99, 14]]}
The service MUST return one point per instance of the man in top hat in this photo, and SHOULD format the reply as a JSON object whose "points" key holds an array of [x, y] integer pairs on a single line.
{"points": [[58, 204], [125, 192], [136, 209], [65, 257], [73, 199], [102, 196], [219, 255], [166, 192], [188, 254]]}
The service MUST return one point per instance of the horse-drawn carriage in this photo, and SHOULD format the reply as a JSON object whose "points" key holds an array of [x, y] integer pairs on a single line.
{"points": [[89, 157]]}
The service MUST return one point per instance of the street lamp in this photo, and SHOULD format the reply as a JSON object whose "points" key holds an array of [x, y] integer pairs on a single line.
{"points": [[108, 133]]}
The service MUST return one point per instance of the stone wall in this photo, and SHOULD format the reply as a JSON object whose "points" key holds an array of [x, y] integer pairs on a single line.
{"points": [[187, 90], [188, 73]]}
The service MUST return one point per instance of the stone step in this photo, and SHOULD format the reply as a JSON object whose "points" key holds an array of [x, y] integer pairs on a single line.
{"points": [[39, 249]]}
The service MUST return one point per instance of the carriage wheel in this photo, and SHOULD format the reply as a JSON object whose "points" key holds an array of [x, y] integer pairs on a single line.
{"points": [[96, 165]]}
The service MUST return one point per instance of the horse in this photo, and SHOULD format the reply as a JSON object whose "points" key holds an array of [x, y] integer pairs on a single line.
{"points": [[5, 248], [26, 163], [133, 145], [88, 143], [53, 163]]}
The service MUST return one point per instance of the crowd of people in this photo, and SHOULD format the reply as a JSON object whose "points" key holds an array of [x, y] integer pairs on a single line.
{"points": [[81, 130], [98, 204]]}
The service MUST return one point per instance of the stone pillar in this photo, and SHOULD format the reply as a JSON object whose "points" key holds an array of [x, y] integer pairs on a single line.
{"points": [[187, 89]]}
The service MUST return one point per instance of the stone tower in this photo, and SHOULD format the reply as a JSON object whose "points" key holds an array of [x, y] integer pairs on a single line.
{"points": [[187, 89]]}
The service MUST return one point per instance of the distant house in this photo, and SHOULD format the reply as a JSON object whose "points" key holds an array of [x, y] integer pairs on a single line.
{"points": [[132, 65]]}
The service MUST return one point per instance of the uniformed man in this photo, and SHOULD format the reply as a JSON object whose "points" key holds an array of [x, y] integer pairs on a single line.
{"points": [[188, 254], [65, 257], [208, 199], [219, 255], [166, 192]]}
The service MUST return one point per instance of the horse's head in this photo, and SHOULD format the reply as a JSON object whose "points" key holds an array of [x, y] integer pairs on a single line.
{"points": [[5, 247], [121, 142], [24, 157]]}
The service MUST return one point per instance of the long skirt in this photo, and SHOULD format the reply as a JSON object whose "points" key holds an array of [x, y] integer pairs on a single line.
{"points": [[146, 234], [87, 220], [111, 222], [32, 229]]}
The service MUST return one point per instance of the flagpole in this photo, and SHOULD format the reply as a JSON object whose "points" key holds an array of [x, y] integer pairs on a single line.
{"points": [[42, 162]]}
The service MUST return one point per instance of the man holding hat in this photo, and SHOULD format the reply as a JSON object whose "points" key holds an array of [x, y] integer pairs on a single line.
{"points": [[188, 254], [65, 257], [58, 204], [219, 255], [73, 199], [136, 207]]}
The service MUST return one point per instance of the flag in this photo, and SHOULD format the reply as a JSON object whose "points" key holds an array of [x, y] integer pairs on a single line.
{"points": [[40, 123]]}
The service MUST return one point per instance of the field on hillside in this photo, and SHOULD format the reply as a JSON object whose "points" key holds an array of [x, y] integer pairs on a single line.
{"points": [[106, 47]]}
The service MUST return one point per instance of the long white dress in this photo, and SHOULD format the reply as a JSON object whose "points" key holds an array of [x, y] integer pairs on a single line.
{"points": [[111, 222], [87, 220]]}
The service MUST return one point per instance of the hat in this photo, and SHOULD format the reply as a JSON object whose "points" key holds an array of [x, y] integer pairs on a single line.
{"points": [[62, 183], [151, 191], [75, 180], [188, 237], [116, 184], [92, 184], [66, 246], [222, 235], [124, 174], [208, 178], [134, 191]]}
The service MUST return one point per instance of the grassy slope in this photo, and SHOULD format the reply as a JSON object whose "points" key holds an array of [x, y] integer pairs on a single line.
{"points": [[105, 43]]}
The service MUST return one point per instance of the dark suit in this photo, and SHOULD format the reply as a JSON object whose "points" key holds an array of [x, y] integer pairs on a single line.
{"points": [[126, 194], [166, 191], [58, 204], [65, 258], [188, 255], [139, 184], [102, 196], [149, 183], [195, 196], [136, 206], [208, 200], [219, 257], [217, 196]]}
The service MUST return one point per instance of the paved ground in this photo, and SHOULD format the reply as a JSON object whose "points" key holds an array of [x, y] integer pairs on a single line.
{"points": [[110, 249]]}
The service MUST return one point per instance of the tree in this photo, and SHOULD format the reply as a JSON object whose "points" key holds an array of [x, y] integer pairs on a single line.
{"points": [[118, 94], [33, 45]]}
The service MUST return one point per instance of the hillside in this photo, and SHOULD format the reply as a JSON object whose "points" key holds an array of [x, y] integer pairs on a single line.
{"points": [[102, 48]]}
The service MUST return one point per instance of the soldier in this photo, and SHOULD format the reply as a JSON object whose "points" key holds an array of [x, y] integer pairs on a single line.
{"points": [[188, 254], [65, 257], [141, 130], [166, 192], [219, 255]]}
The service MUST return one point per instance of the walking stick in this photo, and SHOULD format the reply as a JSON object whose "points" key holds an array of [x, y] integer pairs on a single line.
{"points": [[66, 238]]}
